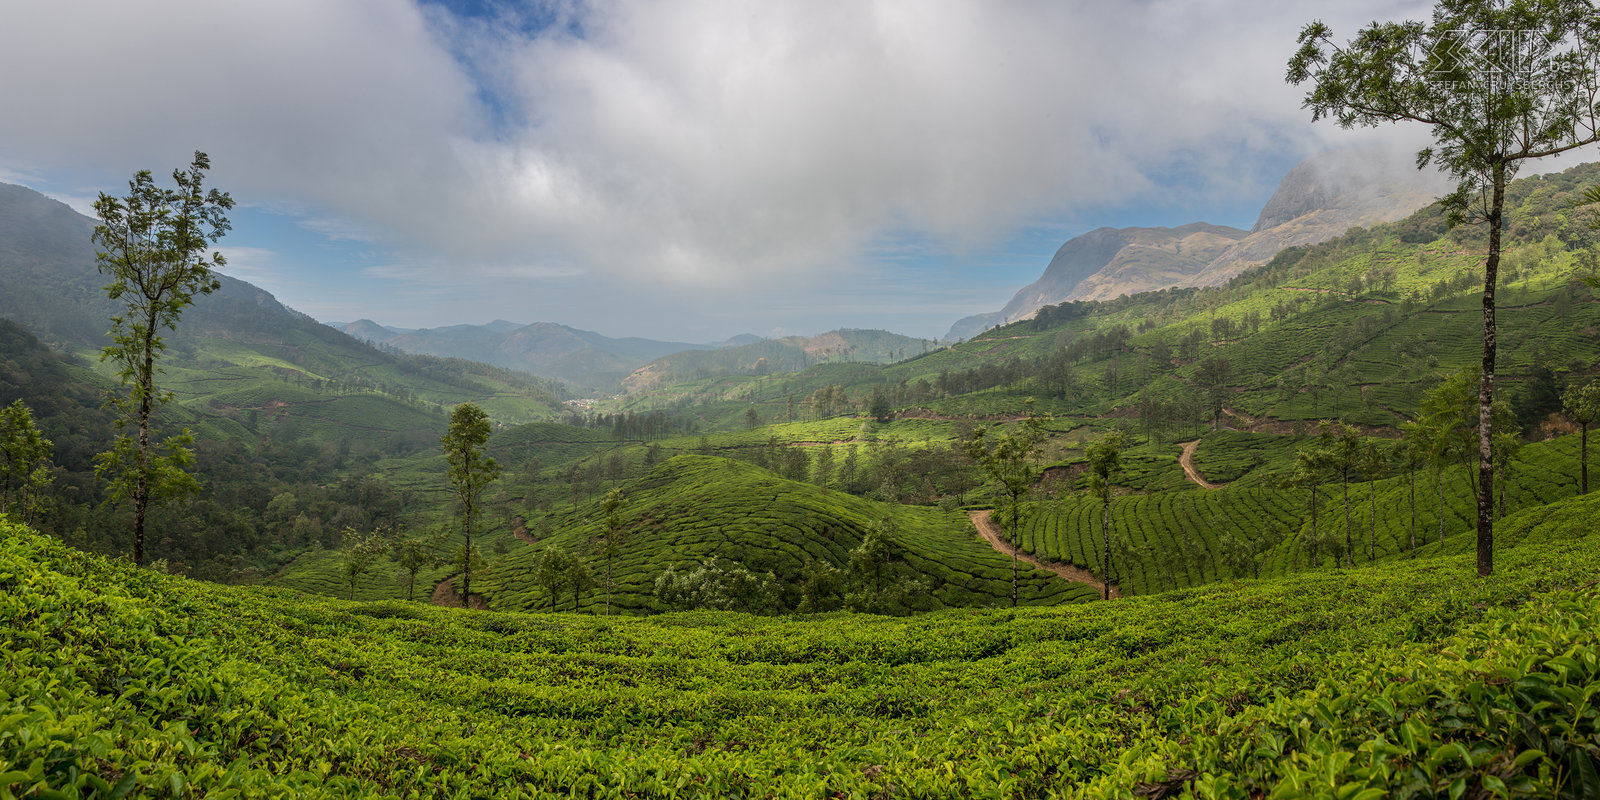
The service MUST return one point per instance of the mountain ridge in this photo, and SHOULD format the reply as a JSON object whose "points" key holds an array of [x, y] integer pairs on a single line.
{"points": [[587, 359], [1318, 199]]}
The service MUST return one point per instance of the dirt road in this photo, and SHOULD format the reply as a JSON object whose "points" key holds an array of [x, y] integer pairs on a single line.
{"points": [[1187, 461], [991, 531]]}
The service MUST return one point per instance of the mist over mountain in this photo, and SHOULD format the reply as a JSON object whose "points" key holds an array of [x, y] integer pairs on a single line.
{"points": [[1320, 198], [51, 286], [590, 361], [767, 356], [49, 282]]}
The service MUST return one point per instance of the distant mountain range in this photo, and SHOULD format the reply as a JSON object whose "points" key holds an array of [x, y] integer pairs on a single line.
{"points": [[589, 361], [766, 356], [597, 363], [1319, 199]]}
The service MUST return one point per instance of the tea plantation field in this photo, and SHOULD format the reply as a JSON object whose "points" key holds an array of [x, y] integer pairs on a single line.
{"points": [[1407, 679], [693, 508], [1172, 539]]}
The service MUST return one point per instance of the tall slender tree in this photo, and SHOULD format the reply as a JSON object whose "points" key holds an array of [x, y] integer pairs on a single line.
{"points": [[611, 511], [1345, 457], [153, 244], [1375, 458], [1312, 463], [1007, 458], [1498, 82], [470, 470], [24, 463], [1582, 404], [1410, 455], [417, 553], [1105, 461]]}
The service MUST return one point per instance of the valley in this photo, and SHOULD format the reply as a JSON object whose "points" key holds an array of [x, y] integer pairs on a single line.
{"points": [[762, 567]]}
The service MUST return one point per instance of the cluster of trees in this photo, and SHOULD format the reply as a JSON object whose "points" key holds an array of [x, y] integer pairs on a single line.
{"points": [[881, 469], [24, 463], [1444, 434], [876, 579], [633, 426]]}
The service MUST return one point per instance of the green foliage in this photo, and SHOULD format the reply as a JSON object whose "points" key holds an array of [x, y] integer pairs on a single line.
{"points": [[1009, 463], [717, 587], [470, 470], [691, 508], [1483, 122], [360, 549], [154, 244], [416, 553], [1400, 680], [24, 463]]}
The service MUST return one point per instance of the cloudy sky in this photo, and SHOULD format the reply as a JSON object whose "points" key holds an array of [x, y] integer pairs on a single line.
{"points": [[677, 169]]}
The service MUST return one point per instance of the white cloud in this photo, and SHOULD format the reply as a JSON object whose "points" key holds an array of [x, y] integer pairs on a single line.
{"points": [[256, 265], [688, 142]]}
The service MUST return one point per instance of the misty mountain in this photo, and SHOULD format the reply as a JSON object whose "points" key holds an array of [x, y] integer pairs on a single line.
{"points": [[589, 360], [1317, 200], [49, 282], [768, 356], [50, 285], [1098, 262]]}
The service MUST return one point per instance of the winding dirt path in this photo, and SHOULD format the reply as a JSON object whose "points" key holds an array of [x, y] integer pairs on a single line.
{"points": [[1187, 462], [519, 529], [1072, 572]]}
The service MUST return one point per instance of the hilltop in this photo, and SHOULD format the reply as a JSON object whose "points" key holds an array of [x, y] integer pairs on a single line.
{"points": [[694, 508]]}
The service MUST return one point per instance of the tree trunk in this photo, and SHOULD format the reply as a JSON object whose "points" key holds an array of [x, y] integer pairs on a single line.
{"points": [[1016, 517], [1105, 535], [466, 556], [1491, 271], [1316, 538], [141, 490], [1349, 546], [1438, 485], [1372, 522], [1504, 478], [1583, 458], [1413, 482]]}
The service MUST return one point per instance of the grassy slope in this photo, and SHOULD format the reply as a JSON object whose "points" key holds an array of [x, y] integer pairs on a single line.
{"points": [[1069, 528], [1402, 679], [694, 507]]}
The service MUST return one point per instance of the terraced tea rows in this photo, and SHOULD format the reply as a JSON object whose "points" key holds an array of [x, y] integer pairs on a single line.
{"points": [[694, 508], [124, 682]]}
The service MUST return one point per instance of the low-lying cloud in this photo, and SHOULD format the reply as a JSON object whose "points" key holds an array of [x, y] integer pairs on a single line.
{"points": [[688, 142]]}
